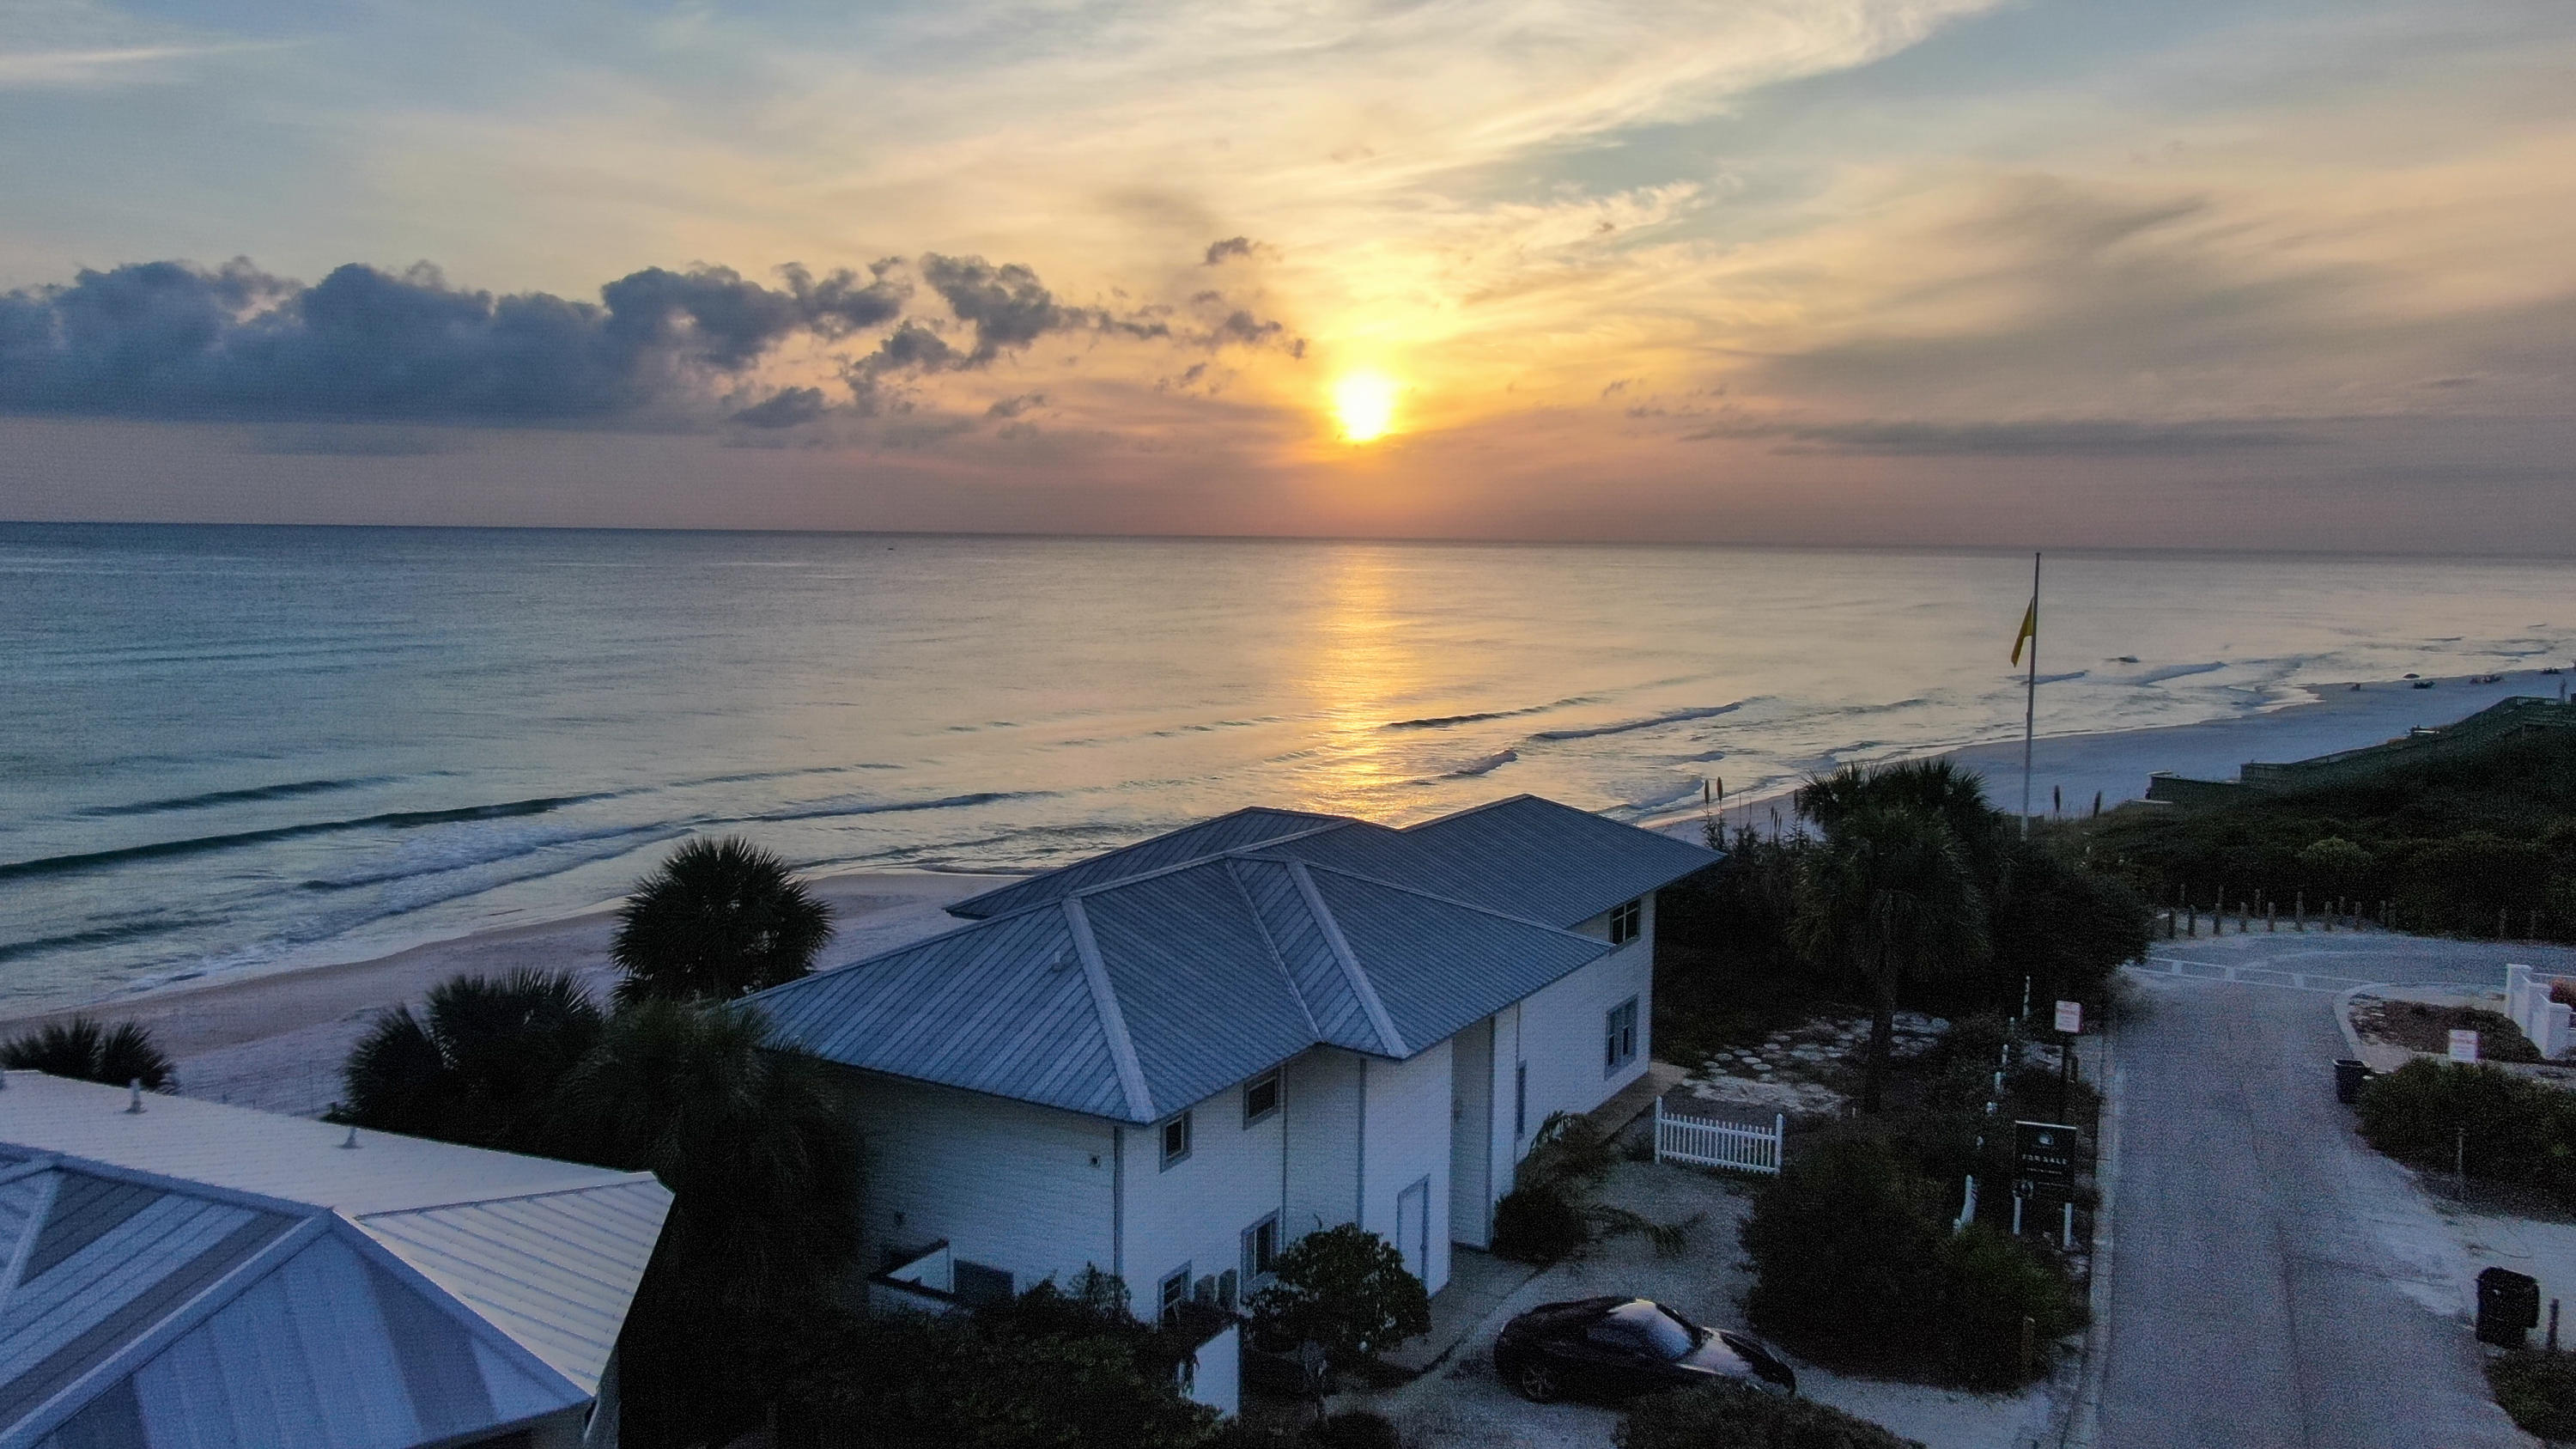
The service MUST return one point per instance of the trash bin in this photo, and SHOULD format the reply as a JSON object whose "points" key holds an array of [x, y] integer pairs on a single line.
{"points": [[2508, 1307], [2349, 1075]]}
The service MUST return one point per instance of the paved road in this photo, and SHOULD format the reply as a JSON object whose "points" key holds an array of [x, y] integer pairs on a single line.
{"points": [[2274, 1282]]}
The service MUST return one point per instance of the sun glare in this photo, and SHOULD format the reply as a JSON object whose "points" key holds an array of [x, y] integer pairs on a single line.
{"points": [[1364, 404]]}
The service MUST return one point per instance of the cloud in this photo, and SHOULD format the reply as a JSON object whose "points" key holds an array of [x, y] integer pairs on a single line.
{"points": [[1012, 407], [2079, 437], [1231, 249], [789, 408]]}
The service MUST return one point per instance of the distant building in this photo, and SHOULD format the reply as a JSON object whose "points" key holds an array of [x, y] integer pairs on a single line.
{"points": [[190, 1274], [1171, 1060]]}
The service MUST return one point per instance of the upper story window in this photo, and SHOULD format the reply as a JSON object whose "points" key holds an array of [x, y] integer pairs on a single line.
{"points": [[1176, 1139], [1260, 1097], [1619, 1037], [1627, 922], [1261, 1250], [1171, 1293]]}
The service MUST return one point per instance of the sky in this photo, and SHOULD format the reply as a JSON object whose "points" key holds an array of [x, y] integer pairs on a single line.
{"points": [[2157, 273]]}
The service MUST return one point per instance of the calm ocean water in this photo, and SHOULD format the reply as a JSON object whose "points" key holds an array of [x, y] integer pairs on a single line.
{"points": [[242, 749]]}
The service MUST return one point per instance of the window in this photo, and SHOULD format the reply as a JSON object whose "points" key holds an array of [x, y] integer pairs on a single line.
{"points": [[1260, 1097], [1627, 921], [1229, 1294], [1174, 1292], [1176, 1139], [1261, 1249], [1520, 1100], [1619, 1037]]}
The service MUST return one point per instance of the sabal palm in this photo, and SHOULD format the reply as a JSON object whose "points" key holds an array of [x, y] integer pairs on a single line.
{"points": [[720, 919], [479, 1062], [1893, 897], [1940, 788], [89, 1050]]}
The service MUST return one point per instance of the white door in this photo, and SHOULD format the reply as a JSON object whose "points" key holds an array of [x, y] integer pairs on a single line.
{"points": [[1413, 1228]]}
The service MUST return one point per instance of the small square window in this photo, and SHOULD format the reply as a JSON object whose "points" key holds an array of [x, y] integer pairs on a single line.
{"points": [[1627, 922], [1260, 1097], [1261, 1250], [1174, 1292], [1176, 1139], [1619, 1037]]}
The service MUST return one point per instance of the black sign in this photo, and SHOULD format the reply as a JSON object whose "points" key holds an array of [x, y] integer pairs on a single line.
{"points": [[2044, 1159]]}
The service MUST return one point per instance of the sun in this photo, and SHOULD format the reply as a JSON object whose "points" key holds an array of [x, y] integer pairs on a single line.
{"points": [[1364, 405]]}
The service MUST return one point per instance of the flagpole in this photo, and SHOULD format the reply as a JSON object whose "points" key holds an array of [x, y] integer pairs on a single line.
{"points": [[2030, 698]]}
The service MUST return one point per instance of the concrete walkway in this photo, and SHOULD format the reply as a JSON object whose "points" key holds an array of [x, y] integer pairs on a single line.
{"points": [[2276, 1283]]}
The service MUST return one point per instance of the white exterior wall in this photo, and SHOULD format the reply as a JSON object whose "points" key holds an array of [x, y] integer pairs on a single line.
{"points": [[1561, 1027], [1023, 1188], [1194, 1212], [1471, 1136], [1322, 1092], [1404, 1140]]}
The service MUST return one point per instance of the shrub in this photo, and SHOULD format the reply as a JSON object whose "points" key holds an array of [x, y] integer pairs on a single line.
{"points": [[1354, 1429], [1730, 1416], [1345, 1289], [1533, 1225], [2537, 1388], [88, 1050], [1843, 1245], [1855, 1261], [2517, 1131], [1990, 1284]]}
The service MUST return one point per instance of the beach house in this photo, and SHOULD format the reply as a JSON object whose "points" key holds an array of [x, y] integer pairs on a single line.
{"points": [[1170, 1061], [182, 1273]]}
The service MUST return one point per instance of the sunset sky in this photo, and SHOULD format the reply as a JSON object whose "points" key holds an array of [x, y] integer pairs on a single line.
{"points": [[2234, 273]]}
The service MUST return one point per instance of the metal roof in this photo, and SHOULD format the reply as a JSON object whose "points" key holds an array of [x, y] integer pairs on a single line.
{"points": [[1138, 983], [541, 1257], [139, 1312]]}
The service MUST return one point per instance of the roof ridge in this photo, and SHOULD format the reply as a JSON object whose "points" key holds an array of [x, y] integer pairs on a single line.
{"points": [[1501, 800], [446, 1300], [25, 1248], [1270, 943], [1113, 1020], [1328, 821], [629, 1179], [1361, 986]]}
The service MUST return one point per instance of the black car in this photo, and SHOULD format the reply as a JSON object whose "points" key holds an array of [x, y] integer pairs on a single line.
{"points": [[1614, 1347]]}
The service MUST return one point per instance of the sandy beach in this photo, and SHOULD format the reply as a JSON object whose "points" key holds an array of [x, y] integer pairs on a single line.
{"points": [[276, 1041]]}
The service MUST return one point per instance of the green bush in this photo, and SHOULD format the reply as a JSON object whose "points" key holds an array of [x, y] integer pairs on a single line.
{"points": [[1538, 1225], [1991, 1284], [1729, 1416], [2517, 1131], [1354, 1429], [89, 1050], [1345, 1289], [2537, 1388], [1855, 1262]]}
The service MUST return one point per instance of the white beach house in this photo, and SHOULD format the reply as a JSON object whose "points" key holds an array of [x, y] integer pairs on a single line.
{"points": [[1169, 1061], [180, 1273]]}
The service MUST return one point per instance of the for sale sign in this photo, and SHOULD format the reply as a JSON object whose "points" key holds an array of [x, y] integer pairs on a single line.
{"points": [[2464, 1046], [2070, 1017], [2043, 1159]]}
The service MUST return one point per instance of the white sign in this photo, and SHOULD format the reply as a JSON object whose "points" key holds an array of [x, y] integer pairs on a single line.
{"points": [[2464, 1046], [2070, 1017]]}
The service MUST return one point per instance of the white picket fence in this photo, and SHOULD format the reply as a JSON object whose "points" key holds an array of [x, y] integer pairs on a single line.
{"points": [[1707, 1142]]}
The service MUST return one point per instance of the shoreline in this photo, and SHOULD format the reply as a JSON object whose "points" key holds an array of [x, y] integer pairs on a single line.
{"points": [[275, 1040]]}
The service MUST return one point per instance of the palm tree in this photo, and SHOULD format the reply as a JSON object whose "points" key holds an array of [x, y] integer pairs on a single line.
{"points": [[719, 919], [479, 1063], [1893, 897], [762, 1160], [86, 1049], [1940, 788]]}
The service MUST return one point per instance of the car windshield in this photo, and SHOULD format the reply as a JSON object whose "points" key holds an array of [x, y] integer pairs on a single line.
{"points": [[1662, 1332]]}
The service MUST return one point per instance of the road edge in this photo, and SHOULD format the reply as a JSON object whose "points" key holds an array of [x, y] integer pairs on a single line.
{"points": [[2083, 1420]]}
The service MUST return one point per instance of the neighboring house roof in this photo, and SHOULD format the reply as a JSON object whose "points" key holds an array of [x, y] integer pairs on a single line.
{"points": [[1137, 983], [202, 1274]]}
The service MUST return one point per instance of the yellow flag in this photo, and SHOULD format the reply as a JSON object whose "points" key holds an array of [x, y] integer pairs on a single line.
{"points": [[2029, 629]]}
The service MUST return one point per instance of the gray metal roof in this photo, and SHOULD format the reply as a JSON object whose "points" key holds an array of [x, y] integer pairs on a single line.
{"points": [[1129, 990], [548, 1252], [140, 1311]]}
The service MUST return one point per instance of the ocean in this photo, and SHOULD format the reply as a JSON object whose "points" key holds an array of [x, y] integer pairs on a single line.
{"points": [[234, 750]]}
